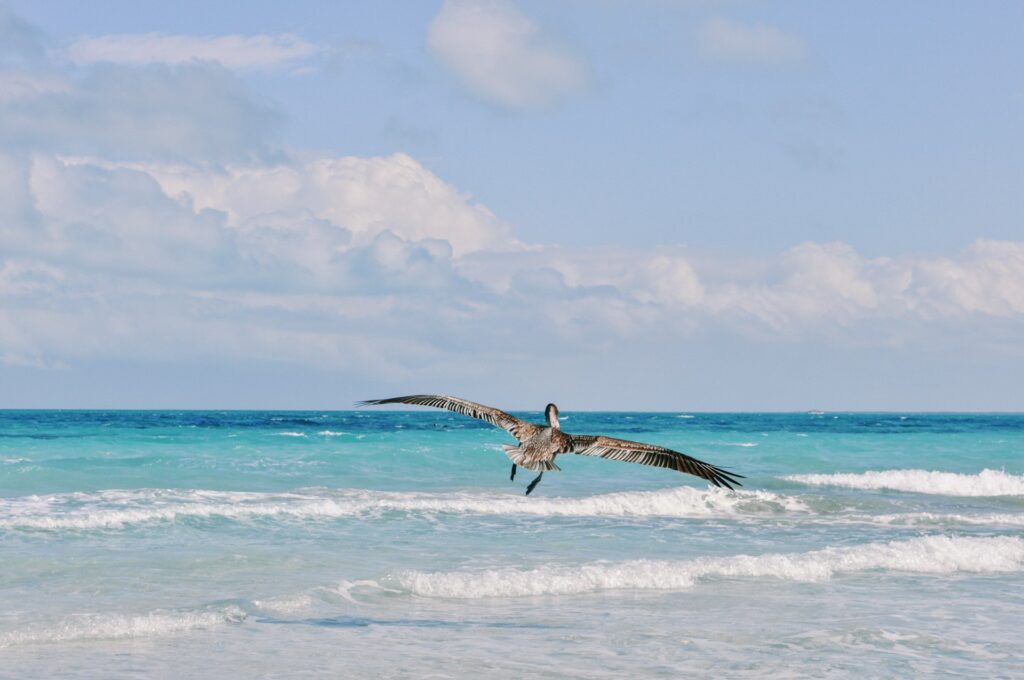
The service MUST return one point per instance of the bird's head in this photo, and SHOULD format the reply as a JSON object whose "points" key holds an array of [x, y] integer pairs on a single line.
{"points": [[551, 414]]}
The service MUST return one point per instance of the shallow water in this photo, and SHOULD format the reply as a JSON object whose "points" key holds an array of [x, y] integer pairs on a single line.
{"points": [[393, 544]]}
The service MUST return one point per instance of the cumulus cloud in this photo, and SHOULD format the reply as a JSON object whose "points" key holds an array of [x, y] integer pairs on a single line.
{"points": [[116, 267], [146, 216], [231, 51], [127, 260], [726, 40], [120, 220], [367, 196], [501, 55]]}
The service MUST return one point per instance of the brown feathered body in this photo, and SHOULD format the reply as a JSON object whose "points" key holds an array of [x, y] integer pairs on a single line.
{"points": [[538, 450]]}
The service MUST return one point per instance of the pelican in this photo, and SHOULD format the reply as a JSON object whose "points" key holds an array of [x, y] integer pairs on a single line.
{"points": [[539, 445]]}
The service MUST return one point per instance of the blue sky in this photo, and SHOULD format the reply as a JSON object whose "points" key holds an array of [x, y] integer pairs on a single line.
{"points": [[669, 205]]}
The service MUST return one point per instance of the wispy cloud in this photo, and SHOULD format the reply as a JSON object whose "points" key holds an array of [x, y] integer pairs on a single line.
{"points": [[502, 56], [231, 51], [725, 40], [198, 111]]}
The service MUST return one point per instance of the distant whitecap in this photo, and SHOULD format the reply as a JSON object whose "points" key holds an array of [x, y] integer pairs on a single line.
{"points": [[985, 483]]}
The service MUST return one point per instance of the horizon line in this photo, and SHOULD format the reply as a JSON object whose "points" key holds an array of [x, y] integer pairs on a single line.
{"points": [[520, 410]]}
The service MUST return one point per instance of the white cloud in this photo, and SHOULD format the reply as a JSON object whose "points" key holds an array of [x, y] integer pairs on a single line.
{"points": [[129, 262], [810, 287], [121, 221], [146, 216], [669, 280], [501, 55], [725, 40], [988, 279], [368, 196], [231, 51]]}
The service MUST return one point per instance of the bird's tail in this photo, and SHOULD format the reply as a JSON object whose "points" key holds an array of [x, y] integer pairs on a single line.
{"points": [[517, 456], [514, 453]]}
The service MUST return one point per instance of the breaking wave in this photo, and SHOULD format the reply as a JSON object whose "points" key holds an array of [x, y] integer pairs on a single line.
{"points": [[926, 555], [985, 483], [120, 626], [117, 509]]}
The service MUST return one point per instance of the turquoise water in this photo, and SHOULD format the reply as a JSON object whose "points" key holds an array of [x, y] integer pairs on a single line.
{"points": [[377, 543]]}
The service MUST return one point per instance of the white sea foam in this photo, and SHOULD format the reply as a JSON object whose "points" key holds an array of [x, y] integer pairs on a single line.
{"points": [[119, 509], [941, 519], [985, 483], [745, 445], [285, 605], [927, 555], [346, 589], [330, 433], [290, 434], [116, 509], [675, 502], [120, 626]]}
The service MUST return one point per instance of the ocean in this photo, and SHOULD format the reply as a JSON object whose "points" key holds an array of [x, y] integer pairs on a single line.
{"points": [[372, 543]]}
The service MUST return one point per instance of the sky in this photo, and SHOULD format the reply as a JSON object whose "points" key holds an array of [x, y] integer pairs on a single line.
{"points": [[694, 205]]}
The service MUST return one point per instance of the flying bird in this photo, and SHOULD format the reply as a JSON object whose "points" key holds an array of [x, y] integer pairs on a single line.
{"points": [[539, 444]]}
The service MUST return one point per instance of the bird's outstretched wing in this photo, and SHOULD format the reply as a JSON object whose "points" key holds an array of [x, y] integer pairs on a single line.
{"points": [[520, 429], [648, 454]]}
